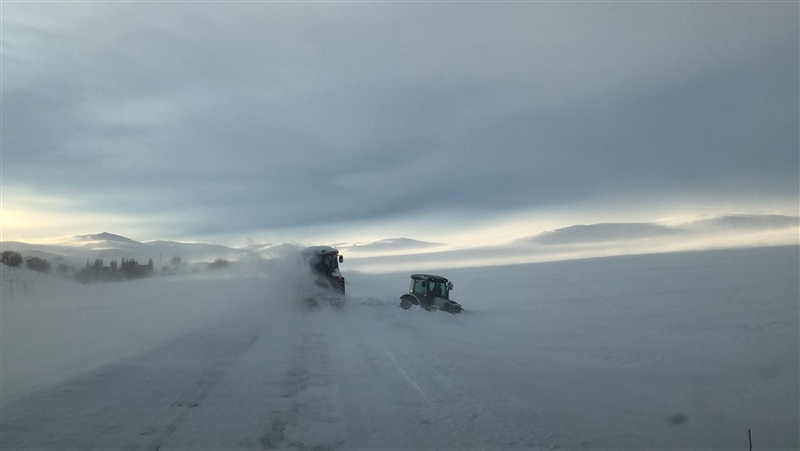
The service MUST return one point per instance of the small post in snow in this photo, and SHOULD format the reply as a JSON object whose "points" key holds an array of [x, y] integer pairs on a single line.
{"points": [[750, 438]]}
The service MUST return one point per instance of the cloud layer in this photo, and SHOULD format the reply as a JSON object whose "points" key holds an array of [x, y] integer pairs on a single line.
{"points": [[223, 118]]}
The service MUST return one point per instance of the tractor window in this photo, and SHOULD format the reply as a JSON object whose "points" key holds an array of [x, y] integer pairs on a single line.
{"points": [[438, 289], [330, 262], [324, 263], [417, 286]]}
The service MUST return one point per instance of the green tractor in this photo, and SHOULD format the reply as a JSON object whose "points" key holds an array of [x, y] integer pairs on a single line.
{"points": [[431, 293]]}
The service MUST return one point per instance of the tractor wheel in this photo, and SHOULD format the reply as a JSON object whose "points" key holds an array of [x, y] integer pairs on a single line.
{"points": [[407, 301]]}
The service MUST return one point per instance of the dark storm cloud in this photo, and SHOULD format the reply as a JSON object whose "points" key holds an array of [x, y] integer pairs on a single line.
{"points": [[246, 116]]}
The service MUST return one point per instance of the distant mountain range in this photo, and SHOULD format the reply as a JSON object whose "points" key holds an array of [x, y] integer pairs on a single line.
{"points": [[606, 232], [389, 245], [601, 239], [78, 249]]}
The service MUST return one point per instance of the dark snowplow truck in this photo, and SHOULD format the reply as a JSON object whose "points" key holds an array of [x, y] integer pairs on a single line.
{"points": [[431, 293], [327, 285]]}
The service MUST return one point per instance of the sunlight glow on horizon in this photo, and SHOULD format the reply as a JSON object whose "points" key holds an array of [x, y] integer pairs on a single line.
{"points": [[43, 220]]}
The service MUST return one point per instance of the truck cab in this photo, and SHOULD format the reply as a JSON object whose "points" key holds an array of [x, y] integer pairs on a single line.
{"points": [[323, 262]]}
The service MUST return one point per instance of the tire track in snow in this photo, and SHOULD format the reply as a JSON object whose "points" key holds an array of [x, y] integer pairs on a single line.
{"points": [[138, 402], [310, 416], [453, 400], [384, 405], [403, 372]]}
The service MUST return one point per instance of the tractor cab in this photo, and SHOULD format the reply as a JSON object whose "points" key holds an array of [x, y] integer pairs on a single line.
{"points": [[428, 286]]}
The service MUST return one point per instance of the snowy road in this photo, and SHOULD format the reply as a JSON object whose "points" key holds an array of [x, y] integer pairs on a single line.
{"points": [[673, 351], [307, 379]]}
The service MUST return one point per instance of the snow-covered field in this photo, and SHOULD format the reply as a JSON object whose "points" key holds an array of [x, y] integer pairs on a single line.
{"points": [[682, 350]]}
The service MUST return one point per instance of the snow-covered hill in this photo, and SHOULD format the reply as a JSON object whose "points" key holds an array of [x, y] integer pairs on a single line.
{"points": [[391, 254], [598, 233], [724, 226], [394, 244], [78, 249], [598, 240], [389, 246]]}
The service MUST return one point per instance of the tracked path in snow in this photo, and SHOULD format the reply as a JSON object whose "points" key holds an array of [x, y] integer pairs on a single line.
{"points": [[300, 379], [436, 390]]}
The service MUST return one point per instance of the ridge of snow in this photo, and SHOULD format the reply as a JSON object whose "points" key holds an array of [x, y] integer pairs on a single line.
{"points": [[394, 243], [105, 236]]}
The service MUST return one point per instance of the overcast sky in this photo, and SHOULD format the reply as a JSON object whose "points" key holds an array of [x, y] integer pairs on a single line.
{"points": [[322, 122]]}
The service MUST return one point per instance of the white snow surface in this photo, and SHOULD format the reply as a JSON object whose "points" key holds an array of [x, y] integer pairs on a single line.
{"points": [[681, 350]]}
